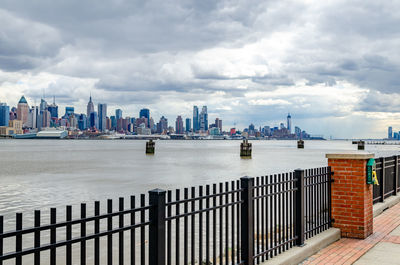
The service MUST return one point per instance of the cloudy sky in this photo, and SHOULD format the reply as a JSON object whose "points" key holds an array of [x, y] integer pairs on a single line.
{"points": [[334, 65]]}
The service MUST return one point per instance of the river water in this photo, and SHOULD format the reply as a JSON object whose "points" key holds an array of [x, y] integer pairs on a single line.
{"points": [[39, 174]]}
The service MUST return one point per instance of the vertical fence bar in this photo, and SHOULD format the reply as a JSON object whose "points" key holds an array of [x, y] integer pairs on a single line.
{"points": [[201, 225], [226, 224], [68, 237], [247, 216], [214, 235], [37, 237], [382, 184], [262, 188], [177, 228], [271, 215], [299, 207], [96, 231], [185, 227], [279, 185], [275, 215], [221, 231], [1, 237], [238, 194], [18, 239], [233, 224], [53, 220], [329, 195], [208, 225], [109, 237], [192, 230], [169, 234], [142, 231], [396, 175], [133, 235], [83, 234], [257, 216], [157, 227], [287, 211], [121, 234]]}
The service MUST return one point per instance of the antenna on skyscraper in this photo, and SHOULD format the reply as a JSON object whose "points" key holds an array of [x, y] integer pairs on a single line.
{"points": [[54, 100]]}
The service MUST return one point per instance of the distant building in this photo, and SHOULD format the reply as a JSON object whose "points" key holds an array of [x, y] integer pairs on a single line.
{"points": [[233, 131], [297, 131], [196, 125], [23, 110], [90, 107], [69, 111], [390, 132], [14, 127], [102, 112], [188, 126], [118, 114], [93, 120], [179, 125], [218, 124], [204, 119], [113, 122], [4, 114], [53, 109], [162, 125], [289, 123], [82, 122], [145, 113]]}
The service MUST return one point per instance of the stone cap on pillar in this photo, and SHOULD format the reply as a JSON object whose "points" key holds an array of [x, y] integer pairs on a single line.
{"points": [[350, 155]]}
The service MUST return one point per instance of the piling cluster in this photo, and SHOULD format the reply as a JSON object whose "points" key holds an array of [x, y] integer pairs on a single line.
{"points": [[150, 147], [300, 144], [245, 149]]}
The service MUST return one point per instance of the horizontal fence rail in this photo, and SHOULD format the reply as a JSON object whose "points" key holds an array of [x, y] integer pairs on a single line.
{"points": [[387, 171], [246, 221]]}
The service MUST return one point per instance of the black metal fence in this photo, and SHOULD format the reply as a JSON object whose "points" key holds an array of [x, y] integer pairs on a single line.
{"points": [[387, 171], [241, 222]]}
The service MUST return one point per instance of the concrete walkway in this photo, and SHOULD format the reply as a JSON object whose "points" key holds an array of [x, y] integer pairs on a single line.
{"points": [[382, 247]]}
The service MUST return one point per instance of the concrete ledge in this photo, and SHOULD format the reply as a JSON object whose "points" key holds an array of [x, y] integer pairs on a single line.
{"points": [[298, 254], [380, 207], [351, 155]]}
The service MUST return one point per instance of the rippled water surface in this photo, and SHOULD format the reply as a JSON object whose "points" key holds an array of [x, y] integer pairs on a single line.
{"points": [[39, 174]]}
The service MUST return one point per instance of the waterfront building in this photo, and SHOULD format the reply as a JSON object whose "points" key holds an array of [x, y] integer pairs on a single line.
{"points": [[188, 125], [151, 125], [218, 124], [232, 131], [90, 107], [108, 124], [102, 112], [251, 130], [282, 126], [82, 122], [33, 117], [4, 114], [289, 123], [203, 119], [196, 126], [297, 131], [396, 135], [23, 110], [162, 125], [125, 122], [93, 120], [119, 125], [113, 122], [118, 114], [14, 127], [73, 121], [390, 132], [179, 125], [215, 131], [145, 113], [53, 109], [69, 111]]}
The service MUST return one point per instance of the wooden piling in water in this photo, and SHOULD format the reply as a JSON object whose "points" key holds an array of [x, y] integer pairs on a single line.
{"points": [[300, 144], [150, 147], [361, 145], [245, 149]]}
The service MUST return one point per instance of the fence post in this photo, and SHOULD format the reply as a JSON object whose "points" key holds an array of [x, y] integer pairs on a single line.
{"points": [[247, 218], [382, 184], [299, 210], [330, 173], [396, 174], [157, 227]]}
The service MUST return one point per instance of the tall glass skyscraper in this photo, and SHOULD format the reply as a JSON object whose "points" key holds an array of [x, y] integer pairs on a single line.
{"points": [[204, 119], [188, 125], [102, 111], [145, 113], [196, 126], [289, 123], [4, 114]]}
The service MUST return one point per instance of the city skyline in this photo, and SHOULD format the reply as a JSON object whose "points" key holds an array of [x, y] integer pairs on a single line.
{"points": [[247, 61]]}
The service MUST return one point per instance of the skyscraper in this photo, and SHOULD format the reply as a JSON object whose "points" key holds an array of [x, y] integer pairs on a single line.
{"points": [[162, 126], [94, 120], [102, 111], [118, 114], [289, 123], [23, 110], [82, 122], [196, 126], [203, 119], [53, 109], [145, 113], [188, 125], [69, 111], [218, 124], [90, 107], [179, 125], [4, 114], [390, 132]]}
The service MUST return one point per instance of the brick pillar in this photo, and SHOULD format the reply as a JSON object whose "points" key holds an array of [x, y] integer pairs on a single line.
{"points": [[351, 195]]}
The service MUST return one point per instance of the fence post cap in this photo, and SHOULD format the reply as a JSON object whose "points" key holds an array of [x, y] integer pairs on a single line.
{"points": [[350, 155], [157, 191]]}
